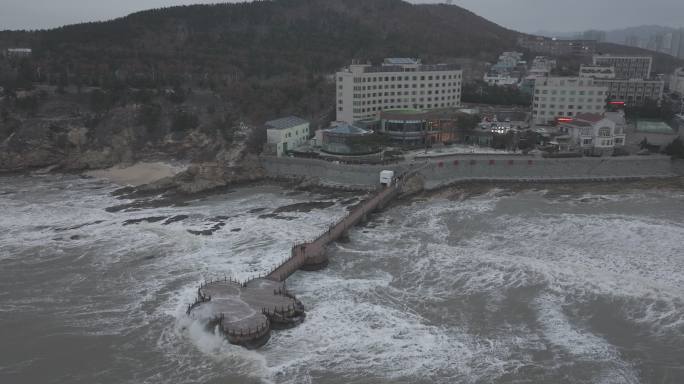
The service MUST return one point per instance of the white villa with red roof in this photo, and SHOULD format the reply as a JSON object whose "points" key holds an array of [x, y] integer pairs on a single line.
{"points": [[594, 134]]}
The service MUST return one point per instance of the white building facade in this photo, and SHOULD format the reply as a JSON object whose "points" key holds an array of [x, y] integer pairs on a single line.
{"points": [[364, 90], [19, 52], [597, 71], [631, 91], [626, 67], [498, 79], [563, 97], [595, 134], [285, 134], [677, 81]]}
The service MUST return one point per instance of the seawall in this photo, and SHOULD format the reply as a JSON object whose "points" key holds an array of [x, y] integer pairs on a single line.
{"points": [[328, 173], [442, 171]]}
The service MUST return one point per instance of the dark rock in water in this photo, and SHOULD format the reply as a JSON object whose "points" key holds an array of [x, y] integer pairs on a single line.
{"points": [[152, 219], [75, 237], [219, 218], [276, 216], [206, 232], [175, 219], [305, 207], [123, 191], [256, 210], [236, 230], [79, 226], [150, 257], [142, 204]]}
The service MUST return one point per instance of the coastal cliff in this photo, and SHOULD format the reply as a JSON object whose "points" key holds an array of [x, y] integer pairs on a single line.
{"points": [[70, 130]]}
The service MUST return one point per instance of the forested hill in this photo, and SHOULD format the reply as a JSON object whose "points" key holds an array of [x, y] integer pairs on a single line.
{"points": [[265, 38]]}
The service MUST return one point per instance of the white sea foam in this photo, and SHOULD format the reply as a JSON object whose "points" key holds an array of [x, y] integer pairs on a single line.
{"points": [[386, 307]]}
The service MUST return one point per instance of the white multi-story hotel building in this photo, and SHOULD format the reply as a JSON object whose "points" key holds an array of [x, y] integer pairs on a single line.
{"points": [[364, 90], [556, 97]]}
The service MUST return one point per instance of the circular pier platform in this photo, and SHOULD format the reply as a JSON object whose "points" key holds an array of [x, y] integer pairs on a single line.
{"points": [[247, 312]]}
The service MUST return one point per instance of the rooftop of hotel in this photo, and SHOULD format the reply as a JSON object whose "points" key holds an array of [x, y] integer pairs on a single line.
{"points": [[403, 64]]}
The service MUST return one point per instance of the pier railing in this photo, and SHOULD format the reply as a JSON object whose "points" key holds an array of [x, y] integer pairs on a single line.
{"points": [[302, 252]]}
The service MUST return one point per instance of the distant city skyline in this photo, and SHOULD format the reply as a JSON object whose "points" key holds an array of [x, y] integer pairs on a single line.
{"points": [[527, 16]]}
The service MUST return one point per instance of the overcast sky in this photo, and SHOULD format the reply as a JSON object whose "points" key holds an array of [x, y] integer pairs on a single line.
{"points": [[522, 15]]}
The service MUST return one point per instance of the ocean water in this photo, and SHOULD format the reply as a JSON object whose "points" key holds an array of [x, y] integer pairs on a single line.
{"points": [[579, 284]]}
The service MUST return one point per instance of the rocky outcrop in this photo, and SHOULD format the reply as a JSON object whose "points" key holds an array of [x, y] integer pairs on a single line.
{"points": [[233, 164], [65, 133]]}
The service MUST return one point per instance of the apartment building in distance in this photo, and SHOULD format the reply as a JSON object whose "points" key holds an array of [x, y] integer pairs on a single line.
{"points": [[18, 52], [626, 67], [565, 97], [557, 47], [629, 83], [363, 91], [677, 82]]}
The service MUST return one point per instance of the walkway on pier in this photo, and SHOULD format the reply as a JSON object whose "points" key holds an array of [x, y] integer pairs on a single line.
{"points": [[312, 254]]}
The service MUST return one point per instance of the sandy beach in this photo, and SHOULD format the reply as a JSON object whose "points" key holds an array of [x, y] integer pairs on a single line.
{"points": [[139, 173]]}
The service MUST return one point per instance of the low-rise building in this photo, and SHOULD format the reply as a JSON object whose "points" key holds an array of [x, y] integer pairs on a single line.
{"points": [[415, 128], [286, 134], [563, 97], [347, 140], [594, 134]]}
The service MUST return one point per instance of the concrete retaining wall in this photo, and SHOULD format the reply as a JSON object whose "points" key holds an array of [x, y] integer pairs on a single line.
{"points": [[449, 170], [446, 170], [327, 172]]}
